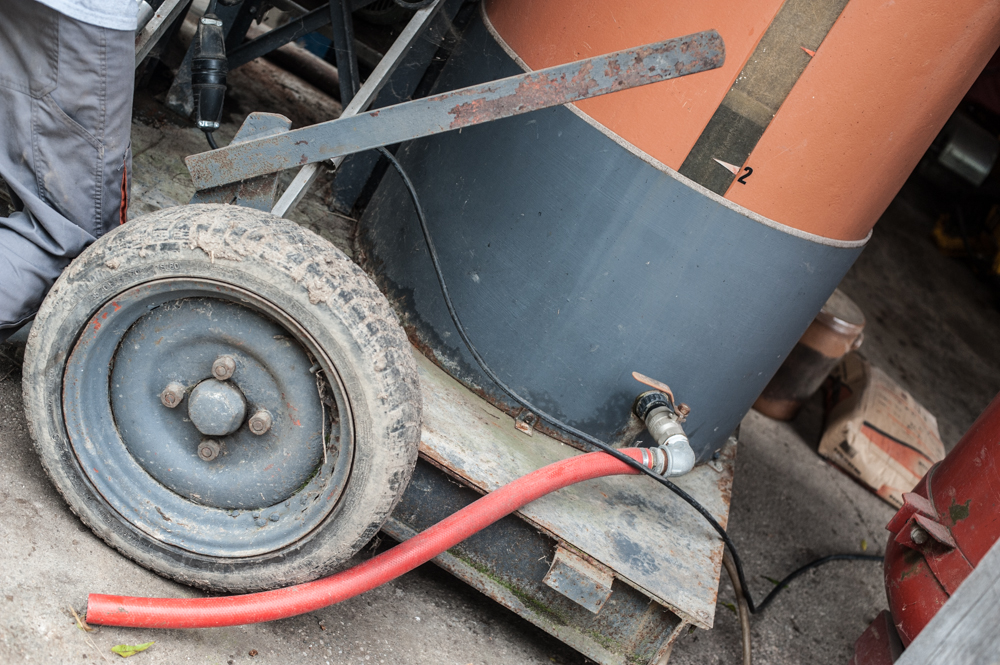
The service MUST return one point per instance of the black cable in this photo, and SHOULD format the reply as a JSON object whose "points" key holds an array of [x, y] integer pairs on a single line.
{"points": [[211, 140], [814, 564], [555, 422]]}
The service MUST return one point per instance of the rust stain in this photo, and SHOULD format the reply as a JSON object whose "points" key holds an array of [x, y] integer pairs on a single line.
{"points": [[536, 91], [654, 384], [614, 69]]}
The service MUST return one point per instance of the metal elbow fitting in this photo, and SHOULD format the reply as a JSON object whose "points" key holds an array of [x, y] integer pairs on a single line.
{"points": [[673, 455]]}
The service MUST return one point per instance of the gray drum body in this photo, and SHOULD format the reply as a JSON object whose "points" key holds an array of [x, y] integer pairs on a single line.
{"points": [[575, 259]]}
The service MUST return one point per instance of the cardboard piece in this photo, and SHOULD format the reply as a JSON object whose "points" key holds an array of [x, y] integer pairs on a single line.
{"points": [[876, 431]]}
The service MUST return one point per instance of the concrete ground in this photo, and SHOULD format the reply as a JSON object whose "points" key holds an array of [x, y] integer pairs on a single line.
{"points": [[931, 327]]}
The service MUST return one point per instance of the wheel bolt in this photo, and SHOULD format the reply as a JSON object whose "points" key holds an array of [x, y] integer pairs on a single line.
{"points": [[208, 450], [918, 535], [172, 395], [223, 367], [260, 422]]}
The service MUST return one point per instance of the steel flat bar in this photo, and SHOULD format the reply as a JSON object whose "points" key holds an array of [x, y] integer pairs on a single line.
{"points": [[366, 95], [474, 105]]}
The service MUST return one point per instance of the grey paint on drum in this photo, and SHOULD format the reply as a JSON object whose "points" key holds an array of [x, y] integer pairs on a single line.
{"points": [[572, 263]]}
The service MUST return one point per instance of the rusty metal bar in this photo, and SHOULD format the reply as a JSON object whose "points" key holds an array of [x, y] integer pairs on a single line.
{"points": [[477, 104]]}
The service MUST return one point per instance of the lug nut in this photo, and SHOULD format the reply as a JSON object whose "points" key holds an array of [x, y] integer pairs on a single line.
{"points": [[208, 450], [223, 367], [260, 422], [918, 535], [172, 395]]}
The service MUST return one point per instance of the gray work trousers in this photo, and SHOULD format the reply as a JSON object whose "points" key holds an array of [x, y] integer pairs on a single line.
{"points": [[65, 119]]}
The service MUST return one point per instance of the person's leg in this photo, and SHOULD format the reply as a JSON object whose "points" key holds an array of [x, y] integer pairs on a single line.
{"points": [[65, 120]]}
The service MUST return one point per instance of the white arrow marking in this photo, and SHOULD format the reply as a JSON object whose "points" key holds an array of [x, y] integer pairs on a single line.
{"points": [[729, 167]]}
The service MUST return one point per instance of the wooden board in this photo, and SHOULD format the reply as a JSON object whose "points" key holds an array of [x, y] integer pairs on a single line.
{"points": [[649, 537]]}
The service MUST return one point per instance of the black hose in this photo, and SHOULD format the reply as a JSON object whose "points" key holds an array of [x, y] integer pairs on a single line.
{"points": [[211, 140], [555, 422]]}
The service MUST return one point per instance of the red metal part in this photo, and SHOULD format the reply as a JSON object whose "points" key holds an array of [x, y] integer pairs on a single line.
{"points": [[879, 645], [945, 527], [965, 487]]}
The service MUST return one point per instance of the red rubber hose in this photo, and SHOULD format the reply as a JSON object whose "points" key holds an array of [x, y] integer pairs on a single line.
{"points": [[291, 601]]}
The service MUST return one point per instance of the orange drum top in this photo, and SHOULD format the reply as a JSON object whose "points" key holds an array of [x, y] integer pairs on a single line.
{"points": [[866, 93], [664, 119]]}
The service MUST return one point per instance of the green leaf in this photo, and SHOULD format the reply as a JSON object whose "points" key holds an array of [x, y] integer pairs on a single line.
{"points": [[126, 650], [771, 580], [864, 545], [730, 607]]}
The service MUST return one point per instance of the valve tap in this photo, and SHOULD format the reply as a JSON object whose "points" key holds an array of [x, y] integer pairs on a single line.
{"points": [[673, 455]]}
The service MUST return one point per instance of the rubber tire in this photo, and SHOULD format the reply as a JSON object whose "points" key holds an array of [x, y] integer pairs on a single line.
{"points": [[317, 286]]}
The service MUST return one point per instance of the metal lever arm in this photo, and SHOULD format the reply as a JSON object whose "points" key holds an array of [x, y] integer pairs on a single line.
{"points": [[477, 104]]}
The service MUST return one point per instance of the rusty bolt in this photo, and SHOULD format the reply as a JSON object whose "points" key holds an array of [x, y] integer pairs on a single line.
{"points": [[918, 535], [223, 367], [208, 450], [260, 422], [172, 395]]}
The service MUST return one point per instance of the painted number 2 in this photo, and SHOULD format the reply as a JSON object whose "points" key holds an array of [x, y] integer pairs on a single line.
{"points": [[743, 178]]}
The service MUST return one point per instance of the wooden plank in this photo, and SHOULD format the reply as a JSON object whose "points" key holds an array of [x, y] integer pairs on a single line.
{"points": [[965, 630], [646, 535]]}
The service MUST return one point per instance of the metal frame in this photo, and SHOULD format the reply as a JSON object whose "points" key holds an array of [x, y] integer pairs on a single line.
{"points": [[342, 25], [360, 103], [274, 39], [303, 23]]}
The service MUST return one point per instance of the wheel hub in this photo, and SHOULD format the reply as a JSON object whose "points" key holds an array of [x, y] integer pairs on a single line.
{"points": [[215, 431], [217, 408]]}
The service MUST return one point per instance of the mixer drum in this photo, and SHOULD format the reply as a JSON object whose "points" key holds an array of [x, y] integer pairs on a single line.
{"points": [[583, 243]]}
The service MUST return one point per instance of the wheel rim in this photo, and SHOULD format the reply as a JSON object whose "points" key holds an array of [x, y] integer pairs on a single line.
{"points": [[169, 445]]}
